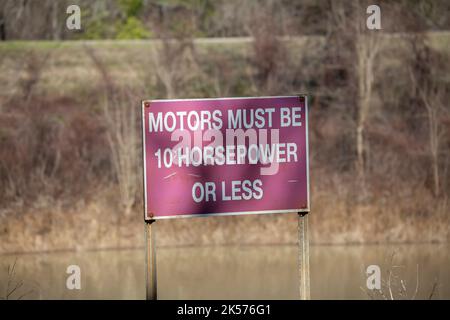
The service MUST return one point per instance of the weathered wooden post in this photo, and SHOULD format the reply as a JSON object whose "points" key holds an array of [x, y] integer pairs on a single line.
{"points": [[303, 252], [150, 265], [150, 239]]}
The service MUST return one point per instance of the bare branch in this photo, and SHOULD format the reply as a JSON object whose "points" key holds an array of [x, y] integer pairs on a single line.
{"points": [[417, 284]]}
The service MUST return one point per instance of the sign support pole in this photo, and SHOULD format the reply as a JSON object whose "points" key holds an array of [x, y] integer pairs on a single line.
{"points": [[150, 261], [303, 253]]}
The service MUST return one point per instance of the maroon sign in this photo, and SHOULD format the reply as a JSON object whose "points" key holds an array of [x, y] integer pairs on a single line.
{"points": [[225, 156]]}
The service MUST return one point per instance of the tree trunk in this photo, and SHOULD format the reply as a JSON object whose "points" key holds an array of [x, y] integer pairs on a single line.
{"points": [[434, 146], [2, 27], [367, 46], [55, 25]]}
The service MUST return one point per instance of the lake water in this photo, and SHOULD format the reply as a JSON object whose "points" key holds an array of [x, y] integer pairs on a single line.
{"points": [[231, 272]]}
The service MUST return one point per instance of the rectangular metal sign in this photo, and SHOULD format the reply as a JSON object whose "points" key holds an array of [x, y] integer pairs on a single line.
{"points": [[225, 156]]}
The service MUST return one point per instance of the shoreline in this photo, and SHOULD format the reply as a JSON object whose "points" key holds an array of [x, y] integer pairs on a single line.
{"points": [[201, 246]]}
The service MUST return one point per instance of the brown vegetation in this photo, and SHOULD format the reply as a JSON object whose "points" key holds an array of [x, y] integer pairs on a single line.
{"points": [[379, 133]]}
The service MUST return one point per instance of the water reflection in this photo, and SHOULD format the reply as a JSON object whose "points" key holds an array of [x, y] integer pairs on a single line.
{"points": [[247, 272]]}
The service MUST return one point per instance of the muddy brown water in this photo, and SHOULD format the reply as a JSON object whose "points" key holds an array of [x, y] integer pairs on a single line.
{"points": [[230, 272]]}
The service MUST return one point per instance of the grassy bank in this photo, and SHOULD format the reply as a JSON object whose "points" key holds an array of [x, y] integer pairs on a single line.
{"points": [[98, 225]]}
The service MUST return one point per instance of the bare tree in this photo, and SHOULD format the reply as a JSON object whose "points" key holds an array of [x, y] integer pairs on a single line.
{"points": [[33, 67], [367, 48], [433, 100], [119, 114], [430, 90], [268, 50], [434, 106], [357, 50], [173, 59], [165, 60], [120, 117], [55, 21]]}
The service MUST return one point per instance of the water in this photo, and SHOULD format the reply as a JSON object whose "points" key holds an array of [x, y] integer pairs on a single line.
{"points": [[247, 272]]}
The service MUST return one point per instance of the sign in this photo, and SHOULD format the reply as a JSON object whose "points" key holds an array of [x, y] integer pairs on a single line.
{"points": [[225, 156]]}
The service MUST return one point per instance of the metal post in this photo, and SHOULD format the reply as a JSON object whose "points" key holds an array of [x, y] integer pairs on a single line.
{"points": [[303, 253], [150, 264]]}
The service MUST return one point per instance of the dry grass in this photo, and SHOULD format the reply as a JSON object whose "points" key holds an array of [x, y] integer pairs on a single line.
{"points": [[96, 224], [395, 287], [15, 289]]}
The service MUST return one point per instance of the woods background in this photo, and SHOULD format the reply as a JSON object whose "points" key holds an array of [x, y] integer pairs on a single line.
{"points": [[70, 142]]}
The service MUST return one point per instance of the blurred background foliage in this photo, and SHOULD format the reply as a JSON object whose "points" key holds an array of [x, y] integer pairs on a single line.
{"points": [[141, 19], [379, 113]]}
